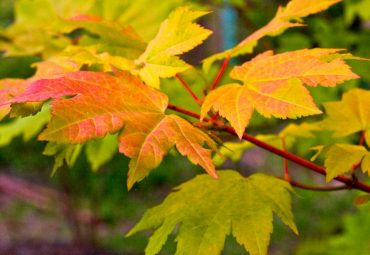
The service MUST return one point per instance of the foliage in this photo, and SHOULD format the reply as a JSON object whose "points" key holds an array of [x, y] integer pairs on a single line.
{"points": [[103, 77], [245, 202]]}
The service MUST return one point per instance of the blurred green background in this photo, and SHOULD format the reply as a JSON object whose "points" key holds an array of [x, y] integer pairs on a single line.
{"points": [[79, 211]]}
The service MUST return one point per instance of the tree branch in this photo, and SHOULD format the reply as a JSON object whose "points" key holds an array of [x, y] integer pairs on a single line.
{"points": [[314, 188], [355, 184]]}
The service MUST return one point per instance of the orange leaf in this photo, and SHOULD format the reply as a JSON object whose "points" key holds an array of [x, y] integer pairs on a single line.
{"points": [[273, 85], [88, 105]]}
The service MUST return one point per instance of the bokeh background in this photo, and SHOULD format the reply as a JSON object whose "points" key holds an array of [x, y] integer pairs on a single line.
{"points": [[80, 211]]}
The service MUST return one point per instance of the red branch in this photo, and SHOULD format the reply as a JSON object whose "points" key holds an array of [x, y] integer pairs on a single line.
{"points": [[187, 87], [220, 73], [314, 188], [355, 184]]}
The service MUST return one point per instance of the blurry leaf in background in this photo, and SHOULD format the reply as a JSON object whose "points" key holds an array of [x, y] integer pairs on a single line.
{"points": [[341, 158], [26, 127], [355, 109], [63, 153], [101, 151], [353, 239], [357, 8]]}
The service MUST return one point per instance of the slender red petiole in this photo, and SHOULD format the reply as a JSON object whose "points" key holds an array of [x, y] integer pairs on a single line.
{"points": [[187, 87], [285, 162], [220, 73]]}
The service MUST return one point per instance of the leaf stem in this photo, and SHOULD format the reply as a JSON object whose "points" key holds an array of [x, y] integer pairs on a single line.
{"points": [[285, 162], [187, 87], [220, 73], [362, 138], [355, 184]]}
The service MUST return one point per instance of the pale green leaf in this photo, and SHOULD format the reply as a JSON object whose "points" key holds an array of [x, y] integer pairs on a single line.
{"points": [[206, 211], [99, 152], [63, 153], [27, 127]]}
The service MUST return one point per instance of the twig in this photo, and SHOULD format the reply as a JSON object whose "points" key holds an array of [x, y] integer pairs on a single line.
{"points": [[187, 87], [220, 73], [314, 188], [290, 156]]}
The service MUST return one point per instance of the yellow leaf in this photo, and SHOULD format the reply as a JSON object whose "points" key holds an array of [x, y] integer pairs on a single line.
{"points": [[232, 102], [287, 17], [353, 116], [178, 34], [341, 158], [365, 165]]}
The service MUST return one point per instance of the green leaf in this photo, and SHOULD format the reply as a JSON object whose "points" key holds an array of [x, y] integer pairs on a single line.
{"points": [[207, 210], [99, 152], [26, 127], [113, 37], [67, 153], [178, 34]]}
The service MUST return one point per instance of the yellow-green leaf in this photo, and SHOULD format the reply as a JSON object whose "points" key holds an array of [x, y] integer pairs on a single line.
{"points": [[206, 211], [353, 116], [365, 164], [178, 34], [63, 153], [341, 158], [99, 152]]}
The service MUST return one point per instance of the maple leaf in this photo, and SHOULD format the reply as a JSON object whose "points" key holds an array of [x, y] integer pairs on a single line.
{"points": [[149, 138], [114, 38], [90, 56], [178, 34], [101, 104], [273, 85], [285, 18], [207, 211], [10, 88], [354, 114], [343, 158]]}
